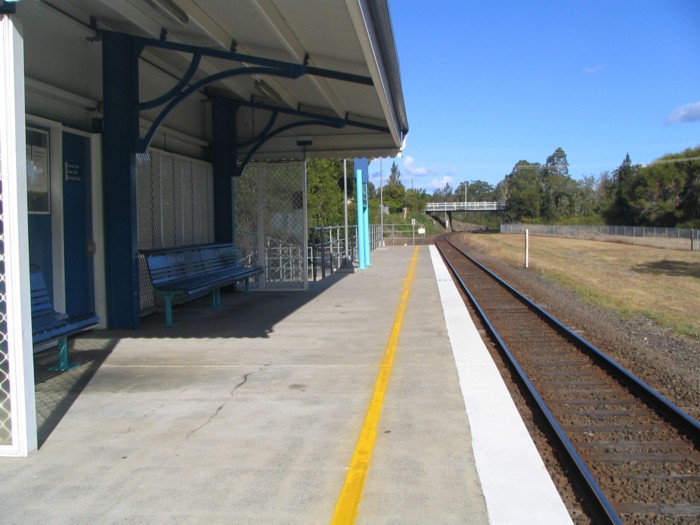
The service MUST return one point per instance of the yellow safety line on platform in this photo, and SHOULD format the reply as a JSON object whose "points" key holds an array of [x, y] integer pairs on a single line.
{"points": [[350, 496]]}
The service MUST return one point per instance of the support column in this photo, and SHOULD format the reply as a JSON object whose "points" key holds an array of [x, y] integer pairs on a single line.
{"points": [[223, 163], [18, 435], [360, 201], [120, 127], [361, 179]]}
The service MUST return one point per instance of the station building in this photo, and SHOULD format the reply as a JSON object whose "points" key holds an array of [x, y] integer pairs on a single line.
{"points": [[135, 124]]}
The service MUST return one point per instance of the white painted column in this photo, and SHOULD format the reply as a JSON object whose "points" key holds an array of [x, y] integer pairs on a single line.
{"points": [[15, 245]]}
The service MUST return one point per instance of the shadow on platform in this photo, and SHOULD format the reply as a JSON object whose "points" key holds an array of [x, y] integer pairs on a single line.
{"points": [[240, 316]]}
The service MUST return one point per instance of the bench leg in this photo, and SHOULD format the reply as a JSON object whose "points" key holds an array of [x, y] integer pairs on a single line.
{"points": [[63, 365], [247, 286], [216, 298], [168, 310]]}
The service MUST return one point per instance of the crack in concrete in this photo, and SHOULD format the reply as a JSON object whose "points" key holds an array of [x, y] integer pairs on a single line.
{"points": [[221, 406]]}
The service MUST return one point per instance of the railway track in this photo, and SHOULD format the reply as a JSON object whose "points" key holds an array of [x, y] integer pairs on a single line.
{"points": [[636, 457]]}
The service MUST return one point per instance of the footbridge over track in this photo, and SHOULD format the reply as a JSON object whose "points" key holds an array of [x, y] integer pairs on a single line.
{"points": [[432, 207], [449, 207]]}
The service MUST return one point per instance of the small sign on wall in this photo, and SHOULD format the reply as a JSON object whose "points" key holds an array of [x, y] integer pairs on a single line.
{"points": [[71, 172]]}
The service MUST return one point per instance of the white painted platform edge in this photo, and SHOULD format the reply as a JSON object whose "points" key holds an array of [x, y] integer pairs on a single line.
{"points": [[515, 482]]}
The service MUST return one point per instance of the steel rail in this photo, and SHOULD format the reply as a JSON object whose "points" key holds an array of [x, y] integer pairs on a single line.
{"points": [[683, 421], [604, 510], [600, 506]]}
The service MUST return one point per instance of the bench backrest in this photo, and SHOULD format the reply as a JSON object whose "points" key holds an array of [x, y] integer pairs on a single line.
{"points": [[175, 264], [41, 301], [219, 258]]}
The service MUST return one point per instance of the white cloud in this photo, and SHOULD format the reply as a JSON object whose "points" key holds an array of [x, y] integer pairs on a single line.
{"points": [[438, 184], [411, 169], [593, 70], [686, 113]]}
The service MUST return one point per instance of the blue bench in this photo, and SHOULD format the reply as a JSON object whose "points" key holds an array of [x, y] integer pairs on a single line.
{"points": [[190, 271], [49, 325]]}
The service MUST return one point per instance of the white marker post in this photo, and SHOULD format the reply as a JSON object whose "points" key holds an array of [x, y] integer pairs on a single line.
{"points": [[527, 247]]}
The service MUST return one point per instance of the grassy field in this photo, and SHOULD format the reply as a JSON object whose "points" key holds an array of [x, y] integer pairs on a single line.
{"points": [[663, 285]]}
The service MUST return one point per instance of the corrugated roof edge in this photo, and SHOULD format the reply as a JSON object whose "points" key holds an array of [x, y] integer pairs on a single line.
{"points": [[381, 17]]}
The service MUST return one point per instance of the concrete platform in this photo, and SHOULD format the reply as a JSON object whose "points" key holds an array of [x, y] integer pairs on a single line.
{"points": [[250, 414]]}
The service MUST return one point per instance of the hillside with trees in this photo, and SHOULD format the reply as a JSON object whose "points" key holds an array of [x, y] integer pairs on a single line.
{"points": [[664, 193]]}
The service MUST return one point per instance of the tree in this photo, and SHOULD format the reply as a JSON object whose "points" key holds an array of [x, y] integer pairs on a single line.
{"points": [[324, 196], [557, 187], [621, 210], [523, 190], [687, 165], [656, 195], [394, 176], [443, 194], [666, 192], [476, 191], [394, 191], [416, 200], [605, 192], [372, 192], [584, 198], [558, 163]]}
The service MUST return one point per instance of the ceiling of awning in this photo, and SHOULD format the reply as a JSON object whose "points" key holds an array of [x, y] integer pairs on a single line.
{"points": [[350, 37]]}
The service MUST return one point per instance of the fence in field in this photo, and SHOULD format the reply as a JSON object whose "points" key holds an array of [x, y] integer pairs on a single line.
{"points": [[670, 238]]}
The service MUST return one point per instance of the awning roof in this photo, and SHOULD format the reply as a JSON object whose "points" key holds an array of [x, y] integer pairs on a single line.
{"points": [[352, 37]]}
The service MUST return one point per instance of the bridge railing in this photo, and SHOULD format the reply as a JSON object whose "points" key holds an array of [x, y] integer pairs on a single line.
{"points": [[465, 206]]}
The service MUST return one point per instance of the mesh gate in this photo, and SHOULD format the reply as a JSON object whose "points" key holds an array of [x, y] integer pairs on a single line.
{"points": [[175, 207], [270, 223], [5, 408]]}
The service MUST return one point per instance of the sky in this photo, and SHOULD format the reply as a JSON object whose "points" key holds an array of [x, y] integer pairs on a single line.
{"points": [[489, 83]]}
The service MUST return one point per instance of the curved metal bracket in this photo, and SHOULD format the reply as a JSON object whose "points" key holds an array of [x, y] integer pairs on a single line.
{"points": [[337, 123], [185, 87], [179, 95], [178, 88], [268, 127]]}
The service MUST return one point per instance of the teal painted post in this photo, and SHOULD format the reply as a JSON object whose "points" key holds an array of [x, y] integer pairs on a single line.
{"points": [[168, 310], [63, 365], [360, 218], [368, 249], [216, 298]]}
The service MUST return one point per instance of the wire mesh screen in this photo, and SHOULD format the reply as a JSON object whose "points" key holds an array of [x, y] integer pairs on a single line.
{"points": [[270, 222], [5, 401], [175, 207]]}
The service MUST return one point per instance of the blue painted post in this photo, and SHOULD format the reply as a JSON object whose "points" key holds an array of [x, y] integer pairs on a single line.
{"points": [[223, 165], [120, 128]]}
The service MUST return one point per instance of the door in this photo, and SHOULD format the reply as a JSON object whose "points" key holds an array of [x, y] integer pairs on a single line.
{"points": [[77, 225]]}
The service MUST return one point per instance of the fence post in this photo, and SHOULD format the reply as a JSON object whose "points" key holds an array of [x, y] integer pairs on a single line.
{"points": [[692, 240]]}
